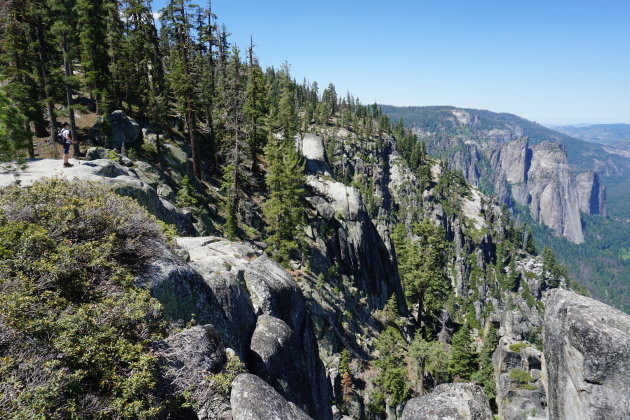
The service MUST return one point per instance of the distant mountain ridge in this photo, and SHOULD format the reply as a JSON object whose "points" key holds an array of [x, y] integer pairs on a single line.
{"points": [[523, 163], [492, 129], [549, 178], [607, 134]]}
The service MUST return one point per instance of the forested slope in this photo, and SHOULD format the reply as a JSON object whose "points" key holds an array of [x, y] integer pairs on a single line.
{"points": [[302, 239]]}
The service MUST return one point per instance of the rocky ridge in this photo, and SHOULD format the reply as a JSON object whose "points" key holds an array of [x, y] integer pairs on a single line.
{"points": [[551, 174], [587, 348], [289, 328]]}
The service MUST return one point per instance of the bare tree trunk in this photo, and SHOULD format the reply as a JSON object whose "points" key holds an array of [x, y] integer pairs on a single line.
{"points": [[210, 121], [43, 61], [190, 115], [68, 73]]}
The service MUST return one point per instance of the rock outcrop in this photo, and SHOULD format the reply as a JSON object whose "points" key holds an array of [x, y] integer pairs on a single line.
{"points": [[541, 180], [354, 244], [587, 350], [520, 387], [591, 194], [122, 130], [186, 362], [254, 399], [458, 401], [120, 179], [259, 311]]}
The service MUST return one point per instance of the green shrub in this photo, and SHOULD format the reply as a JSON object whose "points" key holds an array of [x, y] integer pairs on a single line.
{"points": [[112, 154], [376, 404], [187, 196], [522, 378], [74, 328], [222, 381], [527, 295], [517, 347]]}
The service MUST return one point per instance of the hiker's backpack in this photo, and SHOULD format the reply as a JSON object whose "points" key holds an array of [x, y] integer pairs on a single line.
{"points": [[60, 137]]}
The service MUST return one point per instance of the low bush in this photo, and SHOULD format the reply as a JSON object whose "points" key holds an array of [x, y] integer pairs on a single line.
{"points": [[74, 328]]}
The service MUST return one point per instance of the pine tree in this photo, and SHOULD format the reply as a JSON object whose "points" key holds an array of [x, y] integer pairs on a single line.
{"points": [[14, 136], [234, 172], [421, 265], [344, 371], [530, 245], [485, 375], [287, 119], [284, 209], [427, 358], [92, 28], [255, 108], [40, 38], [462, 361], [18, 61], [177, 24], [64, 16], [206, 66], [390, 362], [512, 275], [142, 61]]}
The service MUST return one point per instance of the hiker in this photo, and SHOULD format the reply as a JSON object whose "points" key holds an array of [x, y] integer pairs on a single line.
{"points": [[66, 135]]}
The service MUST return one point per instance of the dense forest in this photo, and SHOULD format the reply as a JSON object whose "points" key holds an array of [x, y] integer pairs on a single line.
{"points": [[601, 263]]}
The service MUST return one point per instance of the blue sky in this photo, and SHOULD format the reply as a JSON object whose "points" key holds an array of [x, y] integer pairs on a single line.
{"points": [[554, 62]]}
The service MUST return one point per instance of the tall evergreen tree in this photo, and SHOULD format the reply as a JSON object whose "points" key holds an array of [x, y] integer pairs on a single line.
{"points": [[235, 171], [177, 23], [287, 120], [64, 28], [421, 264], [91, 28], [462, 361], [284, 209], [39, 36], [485, 375], [14, 136], [256, 107], [18, 61], [427, 358]]}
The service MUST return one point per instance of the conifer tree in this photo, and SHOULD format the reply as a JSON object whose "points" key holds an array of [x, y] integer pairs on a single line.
{"points": [[39, 36], [284, 209], [143, 67], [177, 22], [206, 66], [65, 21], [287, 119], [485, 375], [390, 361], [421, 265], [13, 133], [234, 172], [462, 361], [91, 28], [17, 61], [427, 358], [256, 107]]}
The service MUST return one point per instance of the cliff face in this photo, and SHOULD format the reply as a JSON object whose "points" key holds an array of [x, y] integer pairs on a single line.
{"points": [[552, 192], [587, 348], [542, 181], [494, 153], [591, 194]]}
